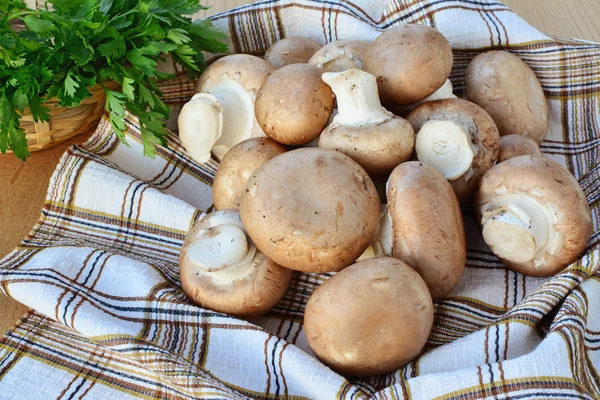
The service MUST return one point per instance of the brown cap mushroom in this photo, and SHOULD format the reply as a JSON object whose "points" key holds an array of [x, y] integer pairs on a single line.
{"points": [[534, 215], [517, 145], [221, 269], [427, 227], [504, 86], [459, 139], [363, 129], [311, 210], [340, 55], [291, 50], [410, 62], [294, 104], [234, 81], [237, 166], [369, 319]]}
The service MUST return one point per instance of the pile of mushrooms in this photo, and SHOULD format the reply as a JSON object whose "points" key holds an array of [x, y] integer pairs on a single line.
{"points": [[354, 158]]}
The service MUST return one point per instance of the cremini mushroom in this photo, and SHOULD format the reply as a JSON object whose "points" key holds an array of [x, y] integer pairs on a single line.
{"points": [[221, 269], [294, 105], [238, 165], [422, 225], [234, 81], [534, 215], [200, 125], [504, 86], [459, 139], [517, 145], [340, 55], [363, 129], [369, 319], [311, 210], [291, 50], [410, 62]]}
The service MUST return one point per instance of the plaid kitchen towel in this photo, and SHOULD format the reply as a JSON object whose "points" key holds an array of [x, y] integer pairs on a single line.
{"points": [[100, 269]]}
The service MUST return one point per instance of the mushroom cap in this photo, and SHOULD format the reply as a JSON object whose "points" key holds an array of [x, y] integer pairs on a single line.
{"points": [[238, 165], [378, 148], [369, 319], [248, 71], [340, 55], [550, 186], [234, 80], [291, 50], [504, 86], [311, 210], [246, 291], [472, 119], [294, 105], [517, 145], [410, 62], [427, 226]]}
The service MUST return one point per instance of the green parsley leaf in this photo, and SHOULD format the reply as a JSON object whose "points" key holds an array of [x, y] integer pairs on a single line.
{"points": [[178, 36], [20, 100], [71, 85], [71, 45], [137, 58], [128, 89], [38, 25]]}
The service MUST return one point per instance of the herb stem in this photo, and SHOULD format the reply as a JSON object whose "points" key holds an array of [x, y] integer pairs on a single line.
{"points": [[21, 14]]}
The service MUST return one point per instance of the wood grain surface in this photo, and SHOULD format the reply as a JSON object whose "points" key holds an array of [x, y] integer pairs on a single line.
{"points": [[24, 184]]}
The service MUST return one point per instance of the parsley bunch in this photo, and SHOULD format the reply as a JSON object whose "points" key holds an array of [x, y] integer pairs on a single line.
{"points": [[81, 43]]}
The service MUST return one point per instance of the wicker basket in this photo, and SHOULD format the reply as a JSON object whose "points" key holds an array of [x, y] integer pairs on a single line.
{"points": [[65, 122]]}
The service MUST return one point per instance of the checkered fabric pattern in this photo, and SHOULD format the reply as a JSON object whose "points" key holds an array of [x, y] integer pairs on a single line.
{"points": [[100, 268]]}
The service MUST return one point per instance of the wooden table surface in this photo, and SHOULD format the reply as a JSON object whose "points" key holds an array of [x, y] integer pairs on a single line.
{"points": [[24, 184]]}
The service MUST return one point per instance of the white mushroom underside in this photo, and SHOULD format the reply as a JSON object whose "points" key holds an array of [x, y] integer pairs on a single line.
{"points": [[445, 92], [200, 125], [238, 121], [222, 250], [518, 228], [445, 146]]}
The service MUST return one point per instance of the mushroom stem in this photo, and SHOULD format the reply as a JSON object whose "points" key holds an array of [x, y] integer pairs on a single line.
{"points": [[357, 97], [383, 243], [514, 234], [221, 250], [446, 146]]}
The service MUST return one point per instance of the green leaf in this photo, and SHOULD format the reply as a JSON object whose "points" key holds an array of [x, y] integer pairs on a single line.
{"points": [[81, 52], [178, 36], [7, 41], [150, 49], [20, 100], [19, 144], [186, 55], [115, 102], [38, 25], [115, 105], [145, 95], [105, 6], [71, 85], [114, 49], [139, 60], [38, 111], [128, 89], [164, 47]]}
